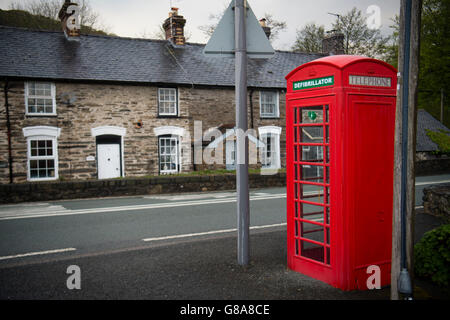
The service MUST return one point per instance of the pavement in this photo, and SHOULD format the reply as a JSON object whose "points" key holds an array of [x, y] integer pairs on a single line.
{"points": [[200, 268]]}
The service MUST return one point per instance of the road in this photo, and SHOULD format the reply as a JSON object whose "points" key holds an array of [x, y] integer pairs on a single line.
{"points": [[88, 226], [158, 247], [32, 230]]}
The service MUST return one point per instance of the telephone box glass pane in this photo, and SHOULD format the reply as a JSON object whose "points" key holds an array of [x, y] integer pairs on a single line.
{"points": [[328, 255], [311, 134], [312, 153], [327, 175], [311, 231], [327, 215], [311, 212], [312, 251], [312, 193], [311, 173], [311, 115]]}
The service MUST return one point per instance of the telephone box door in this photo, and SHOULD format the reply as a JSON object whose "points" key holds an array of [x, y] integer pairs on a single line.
{"points": [[309, 184], [371, 151]]}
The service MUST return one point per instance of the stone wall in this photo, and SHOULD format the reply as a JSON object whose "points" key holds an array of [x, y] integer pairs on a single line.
{"points": [[428, 163], [436, 201], [47, 191], [82, 106]]}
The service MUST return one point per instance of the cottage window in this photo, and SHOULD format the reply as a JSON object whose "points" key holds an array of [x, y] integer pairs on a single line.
{"points": [[169, 150], [40, 98], [167, 102], [168, 154], [268, 155], [42, 152], [269, 104]]}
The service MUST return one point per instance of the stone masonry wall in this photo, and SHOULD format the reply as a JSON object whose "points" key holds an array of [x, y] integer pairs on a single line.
{"points": [[48, 191], [81, 107], [436, 201]]}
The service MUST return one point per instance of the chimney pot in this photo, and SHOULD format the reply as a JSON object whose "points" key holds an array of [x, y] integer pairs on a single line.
{"points": [[265, 28], [72, 33], [174, 27], [333, 44], [262, 22]]}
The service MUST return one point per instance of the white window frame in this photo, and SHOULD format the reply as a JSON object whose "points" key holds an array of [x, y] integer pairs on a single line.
{"points": [[274, 132], [168, 114], [170, 132], [40, 133], [267, 162], [276, 113], [176, 155], [29, 96]]}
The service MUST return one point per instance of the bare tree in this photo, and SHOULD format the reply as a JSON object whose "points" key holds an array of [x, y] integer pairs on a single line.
{"points": [[275, 26], [214, 18], [45, 8], [159, 34]]}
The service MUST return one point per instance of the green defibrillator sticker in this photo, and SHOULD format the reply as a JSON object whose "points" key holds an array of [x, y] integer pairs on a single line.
{"points": [[312, 115], [313, 83]]}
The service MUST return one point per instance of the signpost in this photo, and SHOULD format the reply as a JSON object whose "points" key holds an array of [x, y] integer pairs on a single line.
{"points": [[240, 35]]}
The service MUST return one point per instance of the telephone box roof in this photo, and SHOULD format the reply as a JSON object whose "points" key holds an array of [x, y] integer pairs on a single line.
{"points": [[340, 62]]}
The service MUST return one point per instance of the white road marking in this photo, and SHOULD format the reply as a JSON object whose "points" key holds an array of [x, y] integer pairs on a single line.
{"points": [[194, 196], [431, 182], [37, 253], [67, 212], [26, 210], [190, 235], [40, 210]]}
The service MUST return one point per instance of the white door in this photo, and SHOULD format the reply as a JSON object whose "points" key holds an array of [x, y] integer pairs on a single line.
{"points": [[108, 160]]}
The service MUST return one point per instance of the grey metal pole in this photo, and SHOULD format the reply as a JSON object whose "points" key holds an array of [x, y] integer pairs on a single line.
{"points": [[404, 279], [242, 188]]}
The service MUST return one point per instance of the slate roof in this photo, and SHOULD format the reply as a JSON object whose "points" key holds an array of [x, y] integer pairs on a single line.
{"points": [[426, 121], [48, 55]]}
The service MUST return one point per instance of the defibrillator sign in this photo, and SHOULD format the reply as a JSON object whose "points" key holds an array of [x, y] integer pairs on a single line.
{"points": [[313, 83]]}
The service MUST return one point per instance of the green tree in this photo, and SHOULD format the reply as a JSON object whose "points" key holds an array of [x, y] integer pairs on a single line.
{"points": [[391, 49], [309, 39], [358, 38], [434, 71]]}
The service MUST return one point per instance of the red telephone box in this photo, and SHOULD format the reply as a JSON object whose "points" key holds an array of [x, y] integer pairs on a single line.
{"points": [[340, 117]]}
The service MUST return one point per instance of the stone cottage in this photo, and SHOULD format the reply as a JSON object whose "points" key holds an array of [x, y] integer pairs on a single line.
{"points": [[93, 107]]}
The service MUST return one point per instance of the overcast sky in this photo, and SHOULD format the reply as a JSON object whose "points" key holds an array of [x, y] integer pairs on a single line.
{"points": [[131, 18]]}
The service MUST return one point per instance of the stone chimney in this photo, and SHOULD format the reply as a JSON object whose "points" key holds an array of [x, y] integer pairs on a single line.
{"points": [[174, 27], [266, 29], [69, 21], [333, 43]]}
